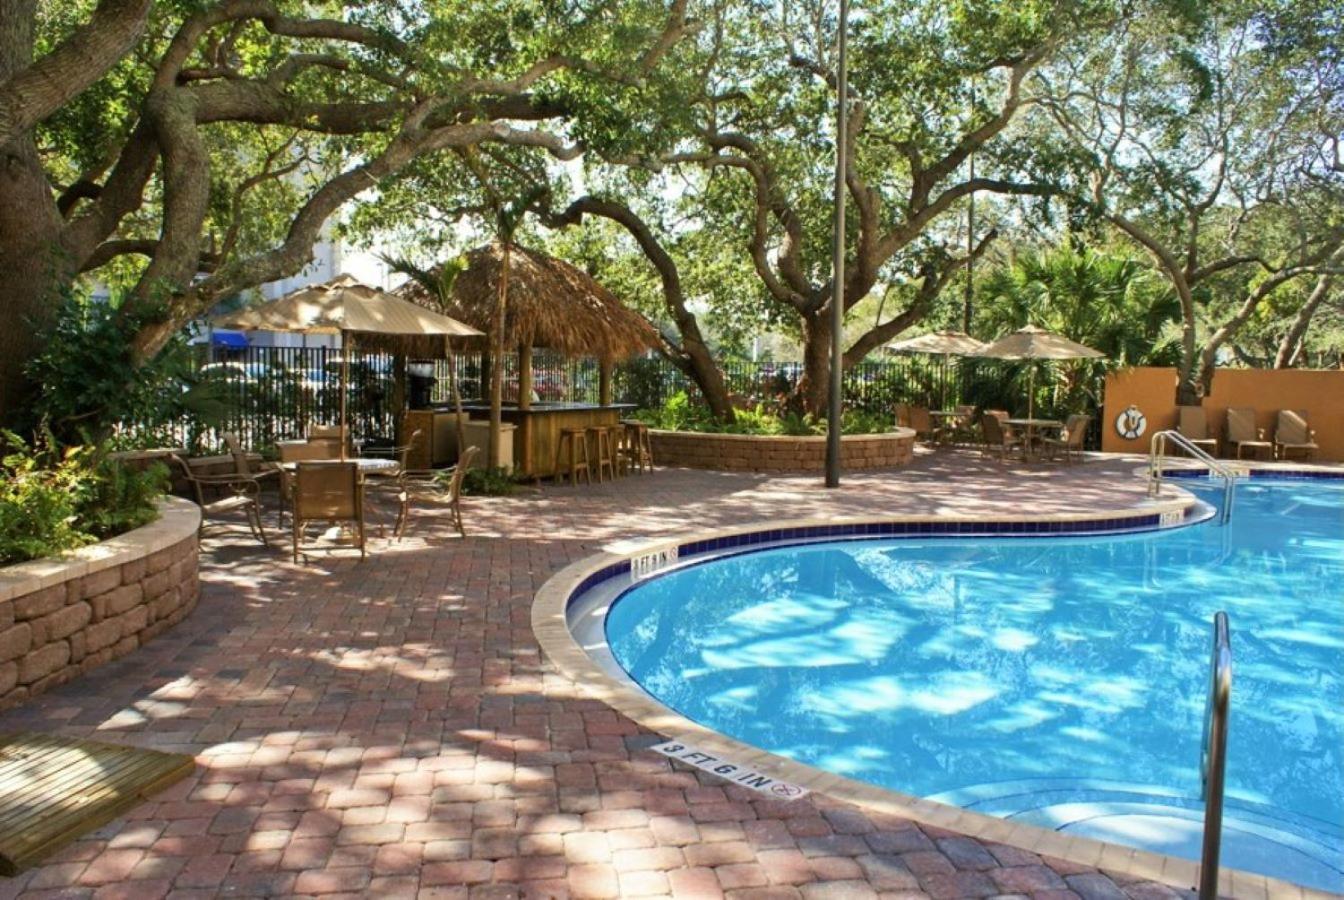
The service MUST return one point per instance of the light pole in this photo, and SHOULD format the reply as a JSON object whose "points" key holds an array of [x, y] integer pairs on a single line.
{"points": [[833, 413]]}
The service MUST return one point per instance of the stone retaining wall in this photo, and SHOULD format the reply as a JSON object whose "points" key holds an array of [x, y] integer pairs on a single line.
{"points": [[65, 616], [770, 453]]}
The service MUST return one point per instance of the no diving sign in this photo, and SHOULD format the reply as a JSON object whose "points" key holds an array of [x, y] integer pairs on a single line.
{"points": [[732, 772]]}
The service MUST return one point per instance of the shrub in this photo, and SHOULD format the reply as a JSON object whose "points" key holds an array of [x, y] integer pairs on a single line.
{"points": [[92, 383], [644, 381], [55, 500], [492, 482], [37, 512], [113, 498], [678, 413]]}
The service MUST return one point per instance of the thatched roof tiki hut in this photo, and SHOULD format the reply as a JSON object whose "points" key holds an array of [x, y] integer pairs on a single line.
{"points": [[551, 304]]}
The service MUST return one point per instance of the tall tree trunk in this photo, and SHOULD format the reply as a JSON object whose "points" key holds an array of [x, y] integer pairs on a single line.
{"points": [[1190, 382], [813, 388], [497, 364], [692, 356], [33, 269], [698, 364], [455, 388], [1291, 344]]}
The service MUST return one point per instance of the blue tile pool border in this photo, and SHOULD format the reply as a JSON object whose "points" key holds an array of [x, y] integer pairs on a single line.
{"points": [[735, 544], [1263, 474]]}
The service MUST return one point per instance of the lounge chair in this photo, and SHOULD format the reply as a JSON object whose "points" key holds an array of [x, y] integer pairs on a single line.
{"points": [[999, 437], [327, 492], [240, 492], [1070, 440], [1194, 427], [1242, 433], [1293, 435], [427, 483]]}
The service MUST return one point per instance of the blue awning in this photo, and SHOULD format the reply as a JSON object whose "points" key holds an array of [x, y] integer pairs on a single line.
{"points": [[232, 339]]}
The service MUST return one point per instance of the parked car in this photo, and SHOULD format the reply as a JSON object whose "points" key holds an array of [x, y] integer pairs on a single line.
{"points": [[225, 371]]}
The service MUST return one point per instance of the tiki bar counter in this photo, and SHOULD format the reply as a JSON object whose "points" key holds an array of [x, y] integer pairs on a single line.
{"points": [[535, 430]]}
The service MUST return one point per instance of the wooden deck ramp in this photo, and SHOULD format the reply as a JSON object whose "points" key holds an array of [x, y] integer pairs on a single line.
{"points": [[53, 789]]}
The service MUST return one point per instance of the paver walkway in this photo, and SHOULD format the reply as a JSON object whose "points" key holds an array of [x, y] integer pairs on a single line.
{"points": [[390, 728]]}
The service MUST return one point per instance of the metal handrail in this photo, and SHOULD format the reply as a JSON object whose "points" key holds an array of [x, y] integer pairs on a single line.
{"points": [[1157, 449], [1213, 755]]}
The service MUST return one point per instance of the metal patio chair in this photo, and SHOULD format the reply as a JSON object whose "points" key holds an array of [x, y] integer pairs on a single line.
{"points": [[239, 492], [328, 492]]}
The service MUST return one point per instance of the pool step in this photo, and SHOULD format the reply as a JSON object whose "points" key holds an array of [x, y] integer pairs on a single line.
{"points": [[1256, 837]]}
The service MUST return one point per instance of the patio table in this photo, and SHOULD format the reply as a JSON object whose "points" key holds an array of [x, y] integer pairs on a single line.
{"points": [[367, 465], [1029, 439], [950, 422]]}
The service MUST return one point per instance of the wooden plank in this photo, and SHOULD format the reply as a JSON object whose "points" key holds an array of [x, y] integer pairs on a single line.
{"points": [[101, 796], [55, 771], [54, 789], [15, 804], [45, 796]]}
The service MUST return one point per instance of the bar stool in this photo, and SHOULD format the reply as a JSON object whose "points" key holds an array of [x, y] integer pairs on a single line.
{"points": [[619, 452], [600, 437], [638, 446], [573, 446]]}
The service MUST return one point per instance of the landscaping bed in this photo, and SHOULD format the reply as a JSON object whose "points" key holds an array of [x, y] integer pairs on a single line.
{"points": [[780, 453], [63, 616]]}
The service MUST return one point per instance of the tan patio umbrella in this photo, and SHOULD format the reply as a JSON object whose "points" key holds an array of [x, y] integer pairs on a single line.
{"points": [[1036, 343], [346, 307], [939, 343]]}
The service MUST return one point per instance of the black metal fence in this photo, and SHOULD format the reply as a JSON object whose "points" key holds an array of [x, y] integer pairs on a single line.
{"points": [[267, 394]]}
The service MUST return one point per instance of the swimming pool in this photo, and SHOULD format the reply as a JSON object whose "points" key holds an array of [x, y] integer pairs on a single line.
{"points": [[1058, 681]]}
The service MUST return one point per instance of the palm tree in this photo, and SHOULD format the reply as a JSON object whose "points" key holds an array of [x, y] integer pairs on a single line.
{"points": [[1112, 302]]}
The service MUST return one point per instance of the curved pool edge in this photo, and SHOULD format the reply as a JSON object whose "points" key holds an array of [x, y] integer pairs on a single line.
{"points": [[552, 627]]}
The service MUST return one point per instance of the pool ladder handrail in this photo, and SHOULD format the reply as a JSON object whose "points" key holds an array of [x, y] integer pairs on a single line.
{"points": [[1157, 451], [1213, 755]]}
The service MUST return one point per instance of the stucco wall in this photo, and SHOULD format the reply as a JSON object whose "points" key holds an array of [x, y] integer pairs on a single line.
{"points": [[1319, 393], [769, 453], [63, 617]]}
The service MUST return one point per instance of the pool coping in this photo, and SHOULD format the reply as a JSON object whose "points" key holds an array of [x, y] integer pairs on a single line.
{"points": [[551, 626], [1185, 468]]}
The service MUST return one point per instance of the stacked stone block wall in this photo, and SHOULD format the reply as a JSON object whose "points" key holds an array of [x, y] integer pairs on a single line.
{"points": [[769, 453], [62, 618]]}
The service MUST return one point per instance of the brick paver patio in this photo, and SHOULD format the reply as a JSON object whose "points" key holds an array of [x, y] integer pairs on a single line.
{"points": [[391, 729]]}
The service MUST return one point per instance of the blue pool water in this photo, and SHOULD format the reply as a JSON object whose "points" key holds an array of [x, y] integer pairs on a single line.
{"points": [[1058, 680]]}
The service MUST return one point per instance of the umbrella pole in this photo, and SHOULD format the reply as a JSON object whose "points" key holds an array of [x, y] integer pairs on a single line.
{"points": [[345, 387], [1031, 392], [942, 398]]}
